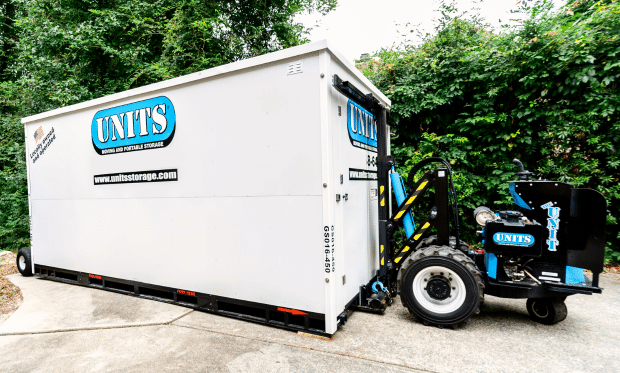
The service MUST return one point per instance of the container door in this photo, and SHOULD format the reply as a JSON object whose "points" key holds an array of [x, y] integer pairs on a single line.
{"points": [[358, 202]]}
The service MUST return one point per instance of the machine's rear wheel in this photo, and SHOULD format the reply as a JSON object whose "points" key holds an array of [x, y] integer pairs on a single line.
{"points": [[24, 262], [441, 286], [547, 311]]}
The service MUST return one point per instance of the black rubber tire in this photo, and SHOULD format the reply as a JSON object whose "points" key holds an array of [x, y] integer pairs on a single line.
{"points": [[432, 241], [24, 262], [464, 247], [454, 262], [547, 311]]}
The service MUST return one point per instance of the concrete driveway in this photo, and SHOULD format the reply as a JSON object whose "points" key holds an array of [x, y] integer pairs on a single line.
{"points": [[67, 328]]}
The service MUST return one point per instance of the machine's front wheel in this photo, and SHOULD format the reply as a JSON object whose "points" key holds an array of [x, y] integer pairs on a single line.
{"points": [[547, 311], [24, 262], [432, 241], [441, 286]]}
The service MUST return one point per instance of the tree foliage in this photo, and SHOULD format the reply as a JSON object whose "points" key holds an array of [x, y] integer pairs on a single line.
{"points": [[14, 230], [546, 91], [55, 53], [75, 50]]}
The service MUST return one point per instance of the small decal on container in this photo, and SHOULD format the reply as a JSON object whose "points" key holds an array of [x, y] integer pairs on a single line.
{"points": [[185, 292], [330, 249], [291, 311], [359, 174], [137, 177], [45, 141]]}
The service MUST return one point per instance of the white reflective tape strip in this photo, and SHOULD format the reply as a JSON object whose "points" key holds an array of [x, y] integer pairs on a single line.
{"points": [[549, 274], [549, 278]]}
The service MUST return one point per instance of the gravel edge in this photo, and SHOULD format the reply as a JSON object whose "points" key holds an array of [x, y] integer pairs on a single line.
{"points": [[10, 295]]}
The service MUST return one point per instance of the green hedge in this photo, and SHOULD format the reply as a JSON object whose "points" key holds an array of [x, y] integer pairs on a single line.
{"points": [[14, 231], [546, 91]]}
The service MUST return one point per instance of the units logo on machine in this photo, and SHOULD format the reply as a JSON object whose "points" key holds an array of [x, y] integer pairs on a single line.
{"points": [[362, 127], [513, 239], [553, 225], [142, 125]]}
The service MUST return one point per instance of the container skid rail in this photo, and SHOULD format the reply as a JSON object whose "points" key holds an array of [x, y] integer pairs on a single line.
{"points": [[291, 319]]}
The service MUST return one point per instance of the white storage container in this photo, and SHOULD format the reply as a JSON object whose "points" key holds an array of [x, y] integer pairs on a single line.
{"points": [[218, 190]]}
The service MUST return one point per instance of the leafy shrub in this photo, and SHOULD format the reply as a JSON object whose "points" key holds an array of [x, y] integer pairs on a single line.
{"points": [[545, 91], [14, 229]]}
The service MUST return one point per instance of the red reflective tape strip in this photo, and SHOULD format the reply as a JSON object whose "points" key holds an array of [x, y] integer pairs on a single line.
{"points": [[190, 293], [94, 276], [291, 311]]}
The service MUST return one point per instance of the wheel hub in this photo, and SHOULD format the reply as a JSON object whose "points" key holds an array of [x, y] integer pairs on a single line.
{"points": [[22, 263], [438, 288], [540, 309]]}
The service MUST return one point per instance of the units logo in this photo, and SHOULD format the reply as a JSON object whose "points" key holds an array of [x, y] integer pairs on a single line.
{"points": [[362, 127], [553, 225], [142, 125], [513, 239]]}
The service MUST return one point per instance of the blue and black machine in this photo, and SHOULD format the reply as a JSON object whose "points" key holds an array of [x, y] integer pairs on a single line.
{"points": [[536, 251]]}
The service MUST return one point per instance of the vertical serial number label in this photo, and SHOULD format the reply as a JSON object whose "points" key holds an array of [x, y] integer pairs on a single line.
{"points": [[328, 239]]}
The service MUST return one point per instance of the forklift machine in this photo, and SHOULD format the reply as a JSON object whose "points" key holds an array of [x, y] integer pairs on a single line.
{"points": [[537, 250]]}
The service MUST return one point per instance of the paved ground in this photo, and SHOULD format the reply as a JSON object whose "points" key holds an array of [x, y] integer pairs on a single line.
{"points": [[67, 328]]}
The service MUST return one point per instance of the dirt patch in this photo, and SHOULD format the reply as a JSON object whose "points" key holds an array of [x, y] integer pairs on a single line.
{"points": [[10, 296], [612, 268]]}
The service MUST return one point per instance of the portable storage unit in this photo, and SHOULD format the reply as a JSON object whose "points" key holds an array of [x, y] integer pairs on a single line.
{"points": [[247, 189]]}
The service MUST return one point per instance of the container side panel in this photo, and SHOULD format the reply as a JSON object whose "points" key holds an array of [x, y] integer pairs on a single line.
{"points": [[254, 133], [239, 212], [184, 243]]}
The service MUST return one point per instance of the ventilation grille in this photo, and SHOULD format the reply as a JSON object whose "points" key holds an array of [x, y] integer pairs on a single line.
{"points": [[295, 68]]}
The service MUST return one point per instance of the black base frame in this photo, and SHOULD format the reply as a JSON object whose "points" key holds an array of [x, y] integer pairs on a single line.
{"points": [[309, 322], [545, 290]]}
